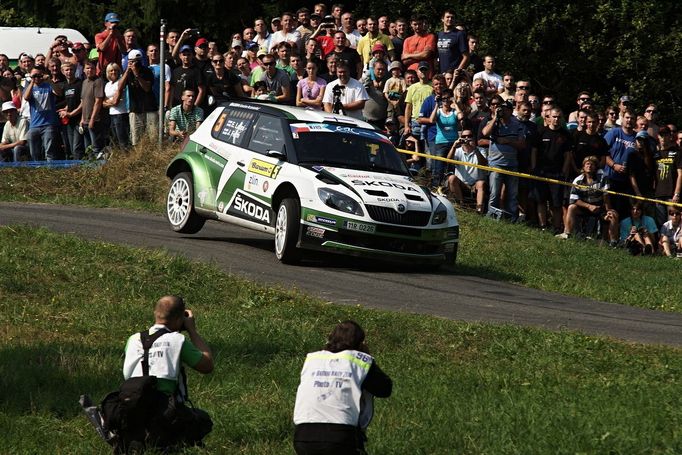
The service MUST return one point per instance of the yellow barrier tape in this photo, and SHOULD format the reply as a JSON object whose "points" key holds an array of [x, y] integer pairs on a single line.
{"points": [[540, 179]]}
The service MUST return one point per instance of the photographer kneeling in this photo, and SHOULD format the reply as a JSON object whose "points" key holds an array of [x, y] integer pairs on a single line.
{"points": [[165, 420]]}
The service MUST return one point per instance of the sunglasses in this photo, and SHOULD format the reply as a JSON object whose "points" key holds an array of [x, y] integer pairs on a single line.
{"points": [[651, 111], [522, 87], [585, 99], [268, 63], [548, 102], [36, 76], [612, 113], [466, 136], [217, 61], [674, 213]]}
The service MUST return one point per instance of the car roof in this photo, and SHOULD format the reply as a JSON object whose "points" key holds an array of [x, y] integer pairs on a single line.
{"points": [[297, 113]]}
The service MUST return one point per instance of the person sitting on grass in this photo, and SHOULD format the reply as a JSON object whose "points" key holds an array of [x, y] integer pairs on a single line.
{"points": [[671, 234], [638, 231], [591, 201], [465, 149]]}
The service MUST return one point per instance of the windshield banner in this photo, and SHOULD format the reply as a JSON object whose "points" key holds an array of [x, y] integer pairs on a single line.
{"points": [[297, 128]]}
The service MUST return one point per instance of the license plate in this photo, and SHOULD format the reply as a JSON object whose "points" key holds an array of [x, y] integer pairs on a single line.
{"points": [[360, 227]]}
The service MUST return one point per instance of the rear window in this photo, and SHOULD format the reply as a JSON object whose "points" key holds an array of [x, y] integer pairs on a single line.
{"points": [[234, 126]]}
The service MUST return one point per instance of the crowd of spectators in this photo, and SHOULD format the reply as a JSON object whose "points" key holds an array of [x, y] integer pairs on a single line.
{"points": [[430, 90]]}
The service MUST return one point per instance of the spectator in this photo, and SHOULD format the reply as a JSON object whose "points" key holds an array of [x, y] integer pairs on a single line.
{"points": [[187, 76], [400, 34], [651, 114], [286, 34], [373, 36], [587, 142], [130, 41], [444, 118], [143, 105], [330, 75], [671, 234], [508, 86], [638, 231], [116, 101], [535, 106], [552, 160], [283, 61], [171, 41], [611, 116], [26, 64], [348, 27], [531, 129], [93, 120], [394, 88], [78, 59], [262, 37], [462, 102], [153, 57], [324, 35], [589, 201], [14, 135], [621, 142], [350, 94], [475, 64], [303, 16], [378, 55], [361, 26], [109, 42], [335, 423], [463, 177], [641, 167], [453, 49], [383, 24], [276, 80], [420, 47], [223, 83], [415, 96], [42, 132], [669, 172], [310, 91], [507, 138], [184, 119], [583, 97], [624, 104], [376, 107], [480, 114], [494, 83], [347, 55], [72, 112]]}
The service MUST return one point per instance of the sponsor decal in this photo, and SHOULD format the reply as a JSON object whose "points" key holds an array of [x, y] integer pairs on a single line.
{"points": [[214, 161], [316, 232], [245, 106], [219, 124], [388, 199], [202, 196], [400, 208], [245, 207], [254, 181], [321, 220], [382, 183], [266, 185], [264, 168]]}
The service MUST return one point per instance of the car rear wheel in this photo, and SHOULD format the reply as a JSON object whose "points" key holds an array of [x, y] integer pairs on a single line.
{"points": [[287, 226], [180, 206]]}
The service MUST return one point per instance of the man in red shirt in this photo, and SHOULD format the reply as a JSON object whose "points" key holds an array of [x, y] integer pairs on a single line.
{"points": [[419, 47], [109, 43]]}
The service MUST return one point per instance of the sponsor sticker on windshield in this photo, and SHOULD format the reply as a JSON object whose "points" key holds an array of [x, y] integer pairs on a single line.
{"points": [[298, 128]]}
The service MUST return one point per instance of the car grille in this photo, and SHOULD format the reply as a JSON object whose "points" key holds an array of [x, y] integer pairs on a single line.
{"points": [[389, 215]]}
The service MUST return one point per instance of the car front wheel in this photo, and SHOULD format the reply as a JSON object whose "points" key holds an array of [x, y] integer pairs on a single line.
{"points": [[180, 206], [286, 231]]}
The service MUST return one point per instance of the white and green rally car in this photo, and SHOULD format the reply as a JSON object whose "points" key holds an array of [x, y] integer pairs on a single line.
{"points": [[315, 180]]}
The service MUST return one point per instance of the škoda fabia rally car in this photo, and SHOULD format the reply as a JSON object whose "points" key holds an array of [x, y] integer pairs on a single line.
{"points": [[316, 181]]}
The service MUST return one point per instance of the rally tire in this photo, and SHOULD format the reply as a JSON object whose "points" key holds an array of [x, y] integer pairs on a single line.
{"points": [[451, 258], [180, 205], [287, 226]]}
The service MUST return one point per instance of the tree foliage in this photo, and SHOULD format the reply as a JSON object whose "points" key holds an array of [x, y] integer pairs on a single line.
{"points": [[609, 48]]}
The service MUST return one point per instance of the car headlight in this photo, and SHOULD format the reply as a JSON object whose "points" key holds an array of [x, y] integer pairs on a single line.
{"points": [[339, 201], [441, 214]]}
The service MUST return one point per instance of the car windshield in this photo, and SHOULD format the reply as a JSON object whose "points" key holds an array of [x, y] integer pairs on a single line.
{"points": [[347, 147]]}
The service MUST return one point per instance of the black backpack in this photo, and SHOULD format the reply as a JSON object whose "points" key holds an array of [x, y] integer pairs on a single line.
{"points": [[131, 409]]}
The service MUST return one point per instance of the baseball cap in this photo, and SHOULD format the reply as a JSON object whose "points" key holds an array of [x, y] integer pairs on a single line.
{"points": [[251, 46], [423, 64], [201, 42], [8, 106], [316, 16], [134, 55], [77, 46], [111, 17], [236, 43], [378, 47], [276, 19], [186, 47], [395, 64], [261, 52], [329, 18], [642, 135], [625, 99]]}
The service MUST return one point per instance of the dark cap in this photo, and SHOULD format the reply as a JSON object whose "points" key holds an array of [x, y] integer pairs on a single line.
{"points": [[423, 64]]}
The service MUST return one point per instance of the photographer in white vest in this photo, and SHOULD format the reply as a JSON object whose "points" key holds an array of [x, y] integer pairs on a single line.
{"points": [[334, 401]]}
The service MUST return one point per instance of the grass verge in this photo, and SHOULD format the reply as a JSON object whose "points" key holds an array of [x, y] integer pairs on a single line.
{"points": [[67, 306]]}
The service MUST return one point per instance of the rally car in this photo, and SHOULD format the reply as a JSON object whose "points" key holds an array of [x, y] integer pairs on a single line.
{"points": [[316, 181]]}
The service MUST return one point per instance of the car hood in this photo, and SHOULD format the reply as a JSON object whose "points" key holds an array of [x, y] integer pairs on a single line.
{"points": [[375, 188]]}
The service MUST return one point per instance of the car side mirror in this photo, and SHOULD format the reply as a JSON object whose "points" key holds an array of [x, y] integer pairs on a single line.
{"points": [[276, 154]]}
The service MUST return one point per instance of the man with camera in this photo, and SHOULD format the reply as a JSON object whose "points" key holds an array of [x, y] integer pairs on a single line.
{"points": [[166, 358], [42, 131], [507, 138], [345, 95], [142, 104], [109, 43]]}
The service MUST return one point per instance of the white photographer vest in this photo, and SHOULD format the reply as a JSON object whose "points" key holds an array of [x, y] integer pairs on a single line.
{"points": [[330, 389], [164, 355]]}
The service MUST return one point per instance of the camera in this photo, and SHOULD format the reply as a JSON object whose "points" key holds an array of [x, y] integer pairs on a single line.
{"points": [[498, 111], [195, 31], [337, 91]]}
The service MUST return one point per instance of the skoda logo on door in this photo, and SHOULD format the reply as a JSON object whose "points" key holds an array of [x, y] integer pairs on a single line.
{"points": [[400, 208]]}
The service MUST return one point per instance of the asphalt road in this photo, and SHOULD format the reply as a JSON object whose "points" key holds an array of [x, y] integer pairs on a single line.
{"points": [[339, 280]]}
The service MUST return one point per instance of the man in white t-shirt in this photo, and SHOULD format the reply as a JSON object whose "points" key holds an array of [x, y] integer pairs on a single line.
{"points": [[14, 136], [350, 92], [494, 82], [287, 33]]}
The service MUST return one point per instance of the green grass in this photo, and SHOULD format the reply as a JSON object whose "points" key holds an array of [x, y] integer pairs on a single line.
{"points": [[67, 306], [489, 249]]}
